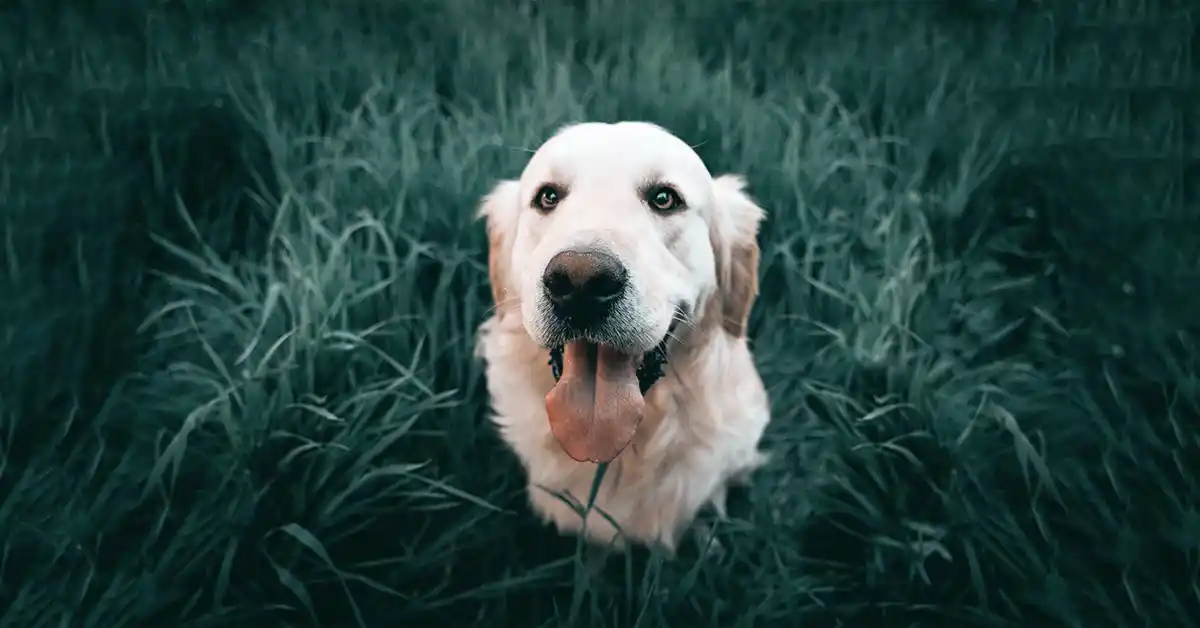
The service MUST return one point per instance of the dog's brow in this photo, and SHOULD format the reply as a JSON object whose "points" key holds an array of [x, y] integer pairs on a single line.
{"points": [[653, 177], [557, 176]]}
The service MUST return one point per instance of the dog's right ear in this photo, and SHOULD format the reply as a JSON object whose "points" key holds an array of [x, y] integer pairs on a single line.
{"points": [[499, 210]]}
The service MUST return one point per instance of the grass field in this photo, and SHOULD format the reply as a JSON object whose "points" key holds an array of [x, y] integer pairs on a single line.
{"points": [[242, 279]]}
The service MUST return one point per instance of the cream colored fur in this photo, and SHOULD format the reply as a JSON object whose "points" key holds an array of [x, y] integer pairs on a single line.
{"points": [[705, 417]]}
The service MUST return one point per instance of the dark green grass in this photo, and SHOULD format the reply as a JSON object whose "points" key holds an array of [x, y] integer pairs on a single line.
{"points": [[243, 280]]}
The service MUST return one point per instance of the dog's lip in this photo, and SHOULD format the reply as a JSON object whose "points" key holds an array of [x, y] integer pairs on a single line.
{"points": [[661, 345], [650, 364]]}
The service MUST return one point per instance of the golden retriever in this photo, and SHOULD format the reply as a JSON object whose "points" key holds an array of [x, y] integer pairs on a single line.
{"points": [[623, 275]]}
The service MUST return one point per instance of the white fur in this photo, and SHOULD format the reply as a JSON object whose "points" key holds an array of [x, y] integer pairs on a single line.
{"points": [[705, 417]]}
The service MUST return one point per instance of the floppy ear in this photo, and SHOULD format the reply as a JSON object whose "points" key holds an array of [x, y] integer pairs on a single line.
{"points": [[734, 232], [499, 210]]}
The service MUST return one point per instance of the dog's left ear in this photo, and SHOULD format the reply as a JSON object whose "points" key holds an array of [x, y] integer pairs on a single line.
{"points": [[499, 209], [734, 236]]}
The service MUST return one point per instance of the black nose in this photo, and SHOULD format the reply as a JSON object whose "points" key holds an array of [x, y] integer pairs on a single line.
{"points": [[583, 285]]}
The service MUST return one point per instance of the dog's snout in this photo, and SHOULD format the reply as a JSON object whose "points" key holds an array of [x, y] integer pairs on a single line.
{"points": [[584, 283]]}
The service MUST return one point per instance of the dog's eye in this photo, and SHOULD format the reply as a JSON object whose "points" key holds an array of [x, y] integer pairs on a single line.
{"points": [[547, 198], [664, 199]]}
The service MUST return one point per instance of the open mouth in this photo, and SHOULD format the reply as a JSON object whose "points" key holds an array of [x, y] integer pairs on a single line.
{"points": [[650, 366], [598, 399]]}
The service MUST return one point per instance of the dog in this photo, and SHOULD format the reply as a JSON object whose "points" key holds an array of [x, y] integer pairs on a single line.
{"points": [[623, 274]]}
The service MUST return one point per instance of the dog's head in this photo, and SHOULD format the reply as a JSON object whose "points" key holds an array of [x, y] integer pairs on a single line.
{"points": [[616, 239]]}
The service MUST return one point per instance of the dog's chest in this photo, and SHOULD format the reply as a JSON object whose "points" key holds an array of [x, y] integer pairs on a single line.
{"points": [[666, 456]]}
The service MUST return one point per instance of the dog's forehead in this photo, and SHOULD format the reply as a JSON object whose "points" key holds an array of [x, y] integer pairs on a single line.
{"points": [[625, 149]]}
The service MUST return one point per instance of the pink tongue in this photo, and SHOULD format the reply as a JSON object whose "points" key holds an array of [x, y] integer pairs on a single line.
{"points": [[596, 406]]}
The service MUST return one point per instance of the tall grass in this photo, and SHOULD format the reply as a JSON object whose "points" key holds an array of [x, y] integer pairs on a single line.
{"points": [[243, 281]]}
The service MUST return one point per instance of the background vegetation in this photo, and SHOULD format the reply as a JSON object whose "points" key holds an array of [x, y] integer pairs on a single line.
{"points": [[241, 283]]}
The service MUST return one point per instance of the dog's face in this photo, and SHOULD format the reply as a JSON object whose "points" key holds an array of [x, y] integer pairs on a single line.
{"points": [[613, 235], [614, 242]]}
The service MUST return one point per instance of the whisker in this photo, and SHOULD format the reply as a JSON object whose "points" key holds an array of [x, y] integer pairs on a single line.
{"points": [[684, 319], [496, 306], [677, 338]]}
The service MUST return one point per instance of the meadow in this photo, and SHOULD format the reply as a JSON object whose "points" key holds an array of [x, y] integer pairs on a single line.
{"points": [[242, 277]]}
